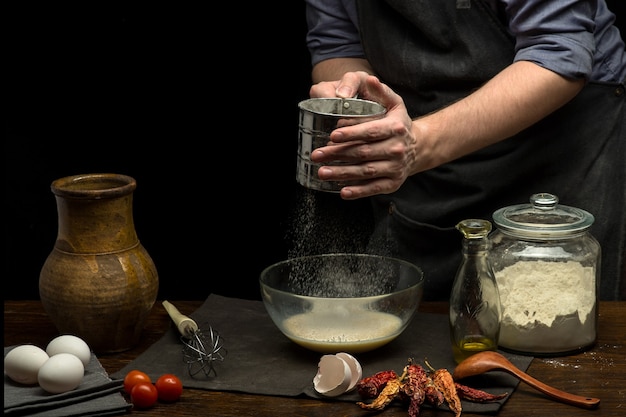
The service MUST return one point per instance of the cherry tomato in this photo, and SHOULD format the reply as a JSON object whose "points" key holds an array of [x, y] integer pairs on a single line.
{"points": [[169, 387], [134, 377], [144, 395]]}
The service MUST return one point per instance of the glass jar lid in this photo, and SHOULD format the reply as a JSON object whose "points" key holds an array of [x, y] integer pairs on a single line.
{"points": [[543, 218]]}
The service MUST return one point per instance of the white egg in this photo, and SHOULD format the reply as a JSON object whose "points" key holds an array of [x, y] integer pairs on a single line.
{"points": [[70, 344], [60, 373], [333, 376], [22, 363]]}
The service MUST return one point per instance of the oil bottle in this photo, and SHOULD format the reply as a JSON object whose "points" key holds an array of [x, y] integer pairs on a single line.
{"points": [[475, 310]]}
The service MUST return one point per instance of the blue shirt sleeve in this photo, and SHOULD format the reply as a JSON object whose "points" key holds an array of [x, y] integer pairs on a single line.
{"points": [[557, 35], [332, 30], [573, 38]]}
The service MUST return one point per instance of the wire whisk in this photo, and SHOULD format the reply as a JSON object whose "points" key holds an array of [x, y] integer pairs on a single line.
{"points": [[200, 350]]}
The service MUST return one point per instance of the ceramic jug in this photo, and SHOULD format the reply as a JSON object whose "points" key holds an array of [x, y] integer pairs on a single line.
{"points": [[98, 283]]}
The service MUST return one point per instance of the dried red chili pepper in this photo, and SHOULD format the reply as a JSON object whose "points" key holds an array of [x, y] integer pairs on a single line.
{"points": [[413, 384], [418, 385], [387, 395], [433, 395], [371, 386], [477, 395], [442, 379]]}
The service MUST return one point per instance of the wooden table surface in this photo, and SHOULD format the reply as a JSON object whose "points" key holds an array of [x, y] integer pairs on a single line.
{"points": [[598, 372]]}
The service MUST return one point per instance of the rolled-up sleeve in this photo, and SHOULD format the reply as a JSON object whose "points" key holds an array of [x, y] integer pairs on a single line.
{"points": [[557, 35], [332, 30]]}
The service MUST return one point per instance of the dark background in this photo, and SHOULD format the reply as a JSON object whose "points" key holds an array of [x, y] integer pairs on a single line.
{"points": [[198, 105]]}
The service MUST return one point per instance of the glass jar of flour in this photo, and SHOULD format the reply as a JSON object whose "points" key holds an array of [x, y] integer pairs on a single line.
{"points": [[547, 268]]}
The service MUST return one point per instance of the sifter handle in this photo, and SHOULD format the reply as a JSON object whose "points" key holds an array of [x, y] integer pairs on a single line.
{"points": [[186, 325]]}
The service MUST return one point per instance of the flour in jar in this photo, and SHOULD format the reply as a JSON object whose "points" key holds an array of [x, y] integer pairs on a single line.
{"points": [[547, 306]]}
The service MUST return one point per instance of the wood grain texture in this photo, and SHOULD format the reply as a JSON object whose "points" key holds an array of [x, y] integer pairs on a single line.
{"points": [[598, 372]]}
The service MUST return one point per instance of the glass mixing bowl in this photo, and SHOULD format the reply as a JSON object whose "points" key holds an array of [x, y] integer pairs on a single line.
{"points": [[342, 302]]}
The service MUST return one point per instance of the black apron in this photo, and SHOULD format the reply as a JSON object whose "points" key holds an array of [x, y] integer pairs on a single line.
{"points": [[433, 53]]}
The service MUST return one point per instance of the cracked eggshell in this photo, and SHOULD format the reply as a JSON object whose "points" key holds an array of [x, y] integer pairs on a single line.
{"points": [[333, 376], [355, 369]]}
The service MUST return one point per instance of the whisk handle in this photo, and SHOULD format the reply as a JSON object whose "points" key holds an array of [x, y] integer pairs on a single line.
{"points": [[186, 325]]}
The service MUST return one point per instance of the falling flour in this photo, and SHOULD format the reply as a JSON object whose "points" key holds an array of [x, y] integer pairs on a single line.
{"points": [[324, 224], [548, 307]]}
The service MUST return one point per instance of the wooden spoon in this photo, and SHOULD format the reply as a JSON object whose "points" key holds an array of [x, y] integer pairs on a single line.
{"points": [[487, 361]]}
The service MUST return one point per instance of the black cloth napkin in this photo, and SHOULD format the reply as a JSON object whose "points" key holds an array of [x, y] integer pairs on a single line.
{"points": [[259, 359], [97, 395]]}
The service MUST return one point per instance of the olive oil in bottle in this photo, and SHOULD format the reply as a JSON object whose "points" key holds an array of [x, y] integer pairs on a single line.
{"points": [[470, 345], [475, 309]]}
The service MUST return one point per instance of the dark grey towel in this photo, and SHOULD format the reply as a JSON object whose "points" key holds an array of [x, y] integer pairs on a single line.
{"points": [[97, 395], [261, 360]]}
